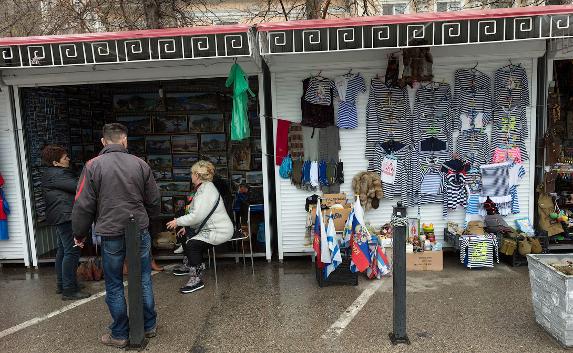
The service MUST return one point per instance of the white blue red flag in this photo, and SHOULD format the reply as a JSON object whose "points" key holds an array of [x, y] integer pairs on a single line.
{"points": [[336, 258]]}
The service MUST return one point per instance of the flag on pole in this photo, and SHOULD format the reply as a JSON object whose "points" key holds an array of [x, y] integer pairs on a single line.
{"points": [[333, 247], [316, 234], [325, 255], [347, 233]]}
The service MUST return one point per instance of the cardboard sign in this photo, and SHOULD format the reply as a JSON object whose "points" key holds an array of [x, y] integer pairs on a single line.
{"points": [[333, 199], [388, 173], [339, 216], [425, 261]]}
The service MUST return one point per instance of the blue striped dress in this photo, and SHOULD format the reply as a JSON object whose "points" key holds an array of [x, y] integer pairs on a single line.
{"points": [[348, 93]]}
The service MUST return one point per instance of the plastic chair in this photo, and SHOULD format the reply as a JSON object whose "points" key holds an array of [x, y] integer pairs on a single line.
{"points": [[235, 240]]}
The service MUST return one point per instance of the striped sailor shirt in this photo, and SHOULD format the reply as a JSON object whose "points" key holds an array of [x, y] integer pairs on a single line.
{"points": [[348, 89], [511, 87]]}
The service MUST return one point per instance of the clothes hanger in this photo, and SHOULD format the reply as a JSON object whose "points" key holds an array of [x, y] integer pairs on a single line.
{"points": [[349, 73]]}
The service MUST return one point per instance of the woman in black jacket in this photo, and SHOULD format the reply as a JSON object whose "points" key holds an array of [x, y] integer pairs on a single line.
{"points": [[59, 184]]}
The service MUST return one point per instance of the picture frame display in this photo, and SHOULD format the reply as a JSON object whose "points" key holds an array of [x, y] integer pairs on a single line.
{"points": [[218, 159], [158, 144], [241, 156], [137, 102], [184, 160], [208, 122], [170, 123], [185, 101], [254, 177], [184, 143], [182, 174], [136, 145], [179, 203], [167, 204], [213, 142], [136, 124], [160, 162], [174, 186]]}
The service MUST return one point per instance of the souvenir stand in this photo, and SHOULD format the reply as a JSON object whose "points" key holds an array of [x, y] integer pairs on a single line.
{"points": [[167, 86], [439, 107], [554, 202]]}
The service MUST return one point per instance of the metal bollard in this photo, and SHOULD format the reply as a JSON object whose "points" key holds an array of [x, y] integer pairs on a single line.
{"points": [[137, 340], [399, 335]]}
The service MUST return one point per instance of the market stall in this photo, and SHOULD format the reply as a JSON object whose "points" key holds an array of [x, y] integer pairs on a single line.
{"points": [[440, 106], [167, 86]]}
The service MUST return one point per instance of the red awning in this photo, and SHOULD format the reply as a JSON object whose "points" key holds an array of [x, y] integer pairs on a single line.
{"points": [[147, 33], [418, 17]]}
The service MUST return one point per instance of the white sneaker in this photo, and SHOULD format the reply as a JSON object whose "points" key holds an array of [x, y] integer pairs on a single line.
{"points": [[179, 250]]}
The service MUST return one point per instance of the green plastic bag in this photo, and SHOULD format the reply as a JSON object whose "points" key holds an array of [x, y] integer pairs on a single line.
{"points": [[239, 122]]}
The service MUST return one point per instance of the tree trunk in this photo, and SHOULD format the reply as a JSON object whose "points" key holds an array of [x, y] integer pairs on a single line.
{"points": [[313, 9], [152, 14]]}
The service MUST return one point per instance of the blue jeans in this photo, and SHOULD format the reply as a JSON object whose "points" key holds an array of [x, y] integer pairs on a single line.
{"points": [[67, 259], [113, 255]]}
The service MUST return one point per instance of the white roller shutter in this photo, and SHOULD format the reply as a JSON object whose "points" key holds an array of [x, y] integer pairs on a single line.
{"points": [[16, 248], [287, 90]]}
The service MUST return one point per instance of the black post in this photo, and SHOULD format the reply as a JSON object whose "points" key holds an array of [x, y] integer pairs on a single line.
{"points": [[137, 339], [399, 335]]}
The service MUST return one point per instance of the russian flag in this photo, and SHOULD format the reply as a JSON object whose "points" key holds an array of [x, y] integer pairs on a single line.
{"points": [[359, 247], [316, 233]]}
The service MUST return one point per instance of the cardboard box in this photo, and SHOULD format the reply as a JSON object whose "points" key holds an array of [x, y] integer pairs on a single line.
{"points": [[340, 216], [332, 199], [425, 261]]}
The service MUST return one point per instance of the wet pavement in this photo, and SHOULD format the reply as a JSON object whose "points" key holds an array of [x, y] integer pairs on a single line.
{"points": [[281, 309]]}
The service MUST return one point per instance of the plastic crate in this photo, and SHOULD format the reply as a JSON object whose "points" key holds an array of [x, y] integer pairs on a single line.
{"points": [[341, 276]]}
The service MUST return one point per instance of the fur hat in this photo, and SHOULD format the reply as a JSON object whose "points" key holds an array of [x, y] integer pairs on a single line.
{"points": [[368, 186]]}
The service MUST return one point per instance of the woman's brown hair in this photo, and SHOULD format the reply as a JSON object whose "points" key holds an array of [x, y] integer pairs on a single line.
{"points": [[52, 153]]}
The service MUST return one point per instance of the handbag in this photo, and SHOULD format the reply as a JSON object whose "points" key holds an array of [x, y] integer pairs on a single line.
{"points": [[91, 269], [194, 231]]}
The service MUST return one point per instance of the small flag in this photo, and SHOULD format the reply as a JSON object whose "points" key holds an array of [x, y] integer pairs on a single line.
{"points": [[325, 255], [360, 253], [333, 247], [316, 233]]}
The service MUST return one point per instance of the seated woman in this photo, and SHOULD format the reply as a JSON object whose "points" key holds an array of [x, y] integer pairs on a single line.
{"points": [[208, 209]]}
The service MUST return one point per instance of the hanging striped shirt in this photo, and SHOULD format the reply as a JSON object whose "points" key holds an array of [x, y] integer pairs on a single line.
{"points": [[511, 86], [347, 112], [509, 129], [386, 116], [320, 90], [473, 146], [516, 173], [402, 184], [472, 92]]}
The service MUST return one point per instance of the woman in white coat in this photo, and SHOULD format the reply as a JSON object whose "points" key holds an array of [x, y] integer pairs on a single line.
{"points": [[217, 229]]}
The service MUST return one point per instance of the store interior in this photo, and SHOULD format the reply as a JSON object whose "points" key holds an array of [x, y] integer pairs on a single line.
{"points": [[171, 124]]}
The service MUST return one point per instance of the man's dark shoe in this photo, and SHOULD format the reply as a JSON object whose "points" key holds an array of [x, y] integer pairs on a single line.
{"points": [[75, 296], [151, 333], [192, 286], [81, 286], [113, 342]]}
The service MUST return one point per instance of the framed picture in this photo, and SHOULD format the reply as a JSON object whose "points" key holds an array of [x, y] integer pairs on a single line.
{"points": [[213, 142], [137, 102], [179, 203], [207, 123], [237, 178], [136, 145], [218, 159], [158, 144], [184, 143], [191, 101], [87, 136], [222, 172], [184, 160], [413, 228], [77, 153], [257, 163], [254, 177], [162, 174], [167, 204], [167, 124], [241, 156], [182, 174], [160, 162], [174, 186], [136, 125], [256, 146]]}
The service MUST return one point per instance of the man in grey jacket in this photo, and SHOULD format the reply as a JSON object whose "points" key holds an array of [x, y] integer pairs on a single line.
{"points": [[113, 186]]}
